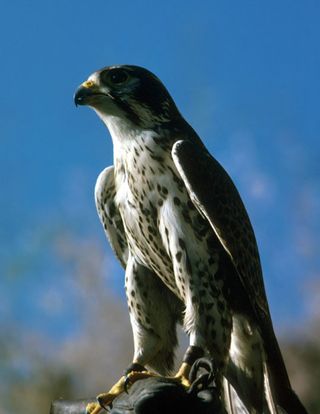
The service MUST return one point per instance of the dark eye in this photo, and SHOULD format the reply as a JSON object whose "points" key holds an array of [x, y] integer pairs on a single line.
{"points": [[115, 76]]}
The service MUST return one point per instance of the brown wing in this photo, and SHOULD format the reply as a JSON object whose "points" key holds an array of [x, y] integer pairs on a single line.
{"points": [[216, 197]]}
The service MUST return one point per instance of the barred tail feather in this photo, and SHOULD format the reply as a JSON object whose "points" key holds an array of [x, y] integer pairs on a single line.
{"points": [[256, 380], [247, 387], [235, 404], [278, 383]]}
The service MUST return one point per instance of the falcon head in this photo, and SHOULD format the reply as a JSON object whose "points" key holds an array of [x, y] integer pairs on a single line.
{"points": [[129, 94]]}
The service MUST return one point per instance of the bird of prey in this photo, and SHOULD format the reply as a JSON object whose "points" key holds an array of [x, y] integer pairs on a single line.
{"points": [[177, 224]]}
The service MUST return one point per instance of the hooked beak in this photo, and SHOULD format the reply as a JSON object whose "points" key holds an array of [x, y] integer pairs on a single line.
{"points": [[85, 92]]}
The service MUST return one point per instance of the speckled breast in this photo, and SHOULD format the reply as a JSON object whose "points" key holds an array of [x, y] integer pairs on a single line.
{"points": [[157, 213]]}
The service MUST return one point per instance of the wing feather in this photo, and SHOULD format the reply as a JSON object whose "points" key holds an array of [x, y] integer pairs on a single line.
{"points": [[109, 214], [216, 197]]}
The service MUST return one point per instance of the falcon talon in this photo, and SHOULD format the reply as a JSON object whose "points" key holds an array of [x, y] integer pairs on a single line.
{"points": [[101, 402], [127, 384], [178, 226]]}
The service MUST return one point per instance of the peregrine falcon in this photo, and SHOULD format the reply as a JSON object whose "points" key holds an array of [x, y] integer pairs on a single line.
{"points": [[177, 224]]}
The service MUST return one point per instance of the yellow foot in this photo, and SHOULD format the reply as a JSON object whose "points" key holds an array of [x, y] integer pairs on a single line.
{"points": [[134, 376], [93, 408], [125, 382], [182, 376], [105, 399]]}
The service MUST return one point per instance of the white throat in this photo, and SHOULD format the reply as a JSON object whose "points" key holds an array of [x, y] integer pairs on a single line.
{"points": [[120, 128], [125, 135]]}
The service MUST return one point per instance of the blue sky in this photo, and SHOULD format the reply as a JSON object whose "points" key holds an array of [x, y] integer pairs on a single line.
{"points": [[244, 74]]}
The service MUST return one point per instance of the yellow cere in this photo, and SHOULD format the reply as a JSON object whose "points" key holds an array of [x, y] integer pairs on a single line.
{"points": [[88, 84]]}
